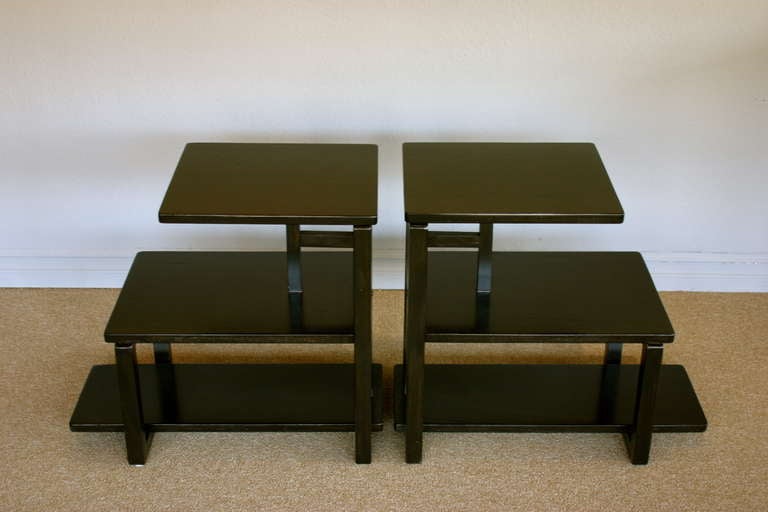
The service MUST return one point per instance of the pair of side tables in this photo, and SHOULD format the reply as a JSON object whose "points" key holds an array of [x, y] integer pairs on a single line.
{"points": [[452, 296]]}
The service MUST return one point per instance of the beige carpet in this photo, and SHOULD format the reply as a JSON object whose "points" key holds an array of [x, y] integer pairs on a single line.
{"points": [[50, 338]]}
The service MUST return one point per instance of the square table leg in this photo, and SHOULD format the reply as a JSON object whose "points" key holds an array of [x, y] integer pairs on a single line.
{"points": [[363, 351], [137, 439], [163, 353], [415, 300], [484, 278], [638, 440], [612, 353], [295, 288]]}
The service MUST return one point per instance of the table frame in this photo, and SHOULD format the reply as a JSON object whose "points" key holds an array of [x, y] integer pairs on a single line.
{"points": [[418, 240], [138, 437]]}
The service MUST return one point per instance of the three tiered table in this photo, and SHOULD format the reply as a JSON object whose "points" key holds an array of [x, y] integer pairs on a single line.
{"points": [[560, 297], [249, 297]]}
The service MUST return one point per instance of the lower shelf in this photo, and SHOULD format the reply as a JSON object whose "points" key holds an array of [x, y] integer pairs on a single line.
{"points": [[230, 397], [547, 398]]}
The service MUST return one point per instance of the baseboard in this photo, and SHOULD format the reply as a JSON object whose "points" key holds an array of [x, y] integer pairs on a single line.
{"points": [[723, 272], [709, 272], [63, 271]]}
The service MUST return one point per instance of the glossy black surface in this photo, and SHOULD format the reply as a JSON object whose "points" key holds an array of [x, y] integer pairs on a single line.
{"points": [[547, 398], [137, 438], [230, 397], [363, 354], [507, 182], [546, 296], [189, 297], [274, 184]]}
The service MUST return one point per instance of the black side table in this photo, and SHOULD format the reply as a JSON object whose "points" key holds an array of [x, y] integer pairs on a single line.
{"points": [[249, 297], [559, 297]]}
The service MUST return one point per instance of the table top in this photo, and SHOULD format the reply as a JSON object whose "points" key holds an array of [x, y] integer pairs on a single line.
{"points": [[251, 183], [471, 182]]}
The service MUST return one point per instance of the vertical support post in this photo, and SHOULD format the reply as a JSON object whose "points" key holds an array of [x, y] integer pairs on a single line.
{"points": [[167, 395], [363, 350], [415, 331], [166, 381], [484, 278], [484, 255], [405, 303], [610, 381], [295, 290], [609, 388], [163, 354], [612, 353], [137, 440], [638, 439]]}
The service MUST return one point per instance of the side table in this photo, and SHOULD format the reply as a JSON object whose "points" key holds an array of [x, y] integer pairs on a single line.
{"points": [[249, 297], [559, 297]]}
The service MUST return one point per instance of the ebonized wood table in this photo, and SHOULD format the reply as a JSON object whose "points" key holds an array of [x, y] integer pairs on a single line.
{"points": [[249, 297], [455, 296]]}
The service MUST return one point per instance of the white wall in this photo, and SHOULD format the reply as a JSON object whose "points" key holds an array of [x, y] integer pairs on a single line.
{"points": [[97, 99]]}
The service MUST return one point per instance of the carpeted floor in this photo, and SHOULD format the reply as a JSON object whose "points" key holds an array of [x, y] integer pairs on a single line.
{"points": [[49, 339]]}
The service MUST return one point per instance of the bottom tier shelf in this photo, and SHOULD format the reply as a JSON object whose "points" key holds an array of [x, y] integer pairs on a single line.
{"points": [[547, 398], [230, 397]]}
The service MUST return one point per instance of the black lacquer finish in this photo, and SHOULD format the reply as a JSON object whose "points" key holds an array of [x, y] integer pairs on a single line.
{"points": [[192, 297], [566, 297], [507, 182], [230, 397], [545, 296], [137, 438], [415, 329], [547, 398], [253, 297], [363, 348], [274, 184]]}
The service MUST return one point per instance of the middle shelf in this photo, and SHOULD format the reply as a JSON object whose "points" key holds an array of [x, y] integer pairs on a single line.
{"points": [[232, 297], [589, 297]]}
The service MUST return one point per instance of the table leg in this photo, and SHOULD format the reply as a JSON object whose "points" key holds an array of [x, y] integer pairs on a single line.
{"points": [[484, 278], [610, 380], [405, 303], [484, 257], [163, 354], [295, 288], [416, 272], [363, 351], [639, 438], [609, 388], [137, 439], [612, 353], [166, 381]]}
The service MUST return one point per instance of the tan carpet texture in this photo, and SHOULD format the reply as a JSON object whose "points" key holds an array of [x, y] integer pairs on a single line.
{"points": [[50, 339]]}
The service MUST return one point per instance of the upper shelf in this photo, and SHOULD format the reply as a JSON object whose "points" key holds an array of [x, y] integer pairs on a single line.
{"points": [[507, 182], [228, 183]]}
